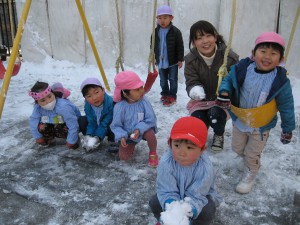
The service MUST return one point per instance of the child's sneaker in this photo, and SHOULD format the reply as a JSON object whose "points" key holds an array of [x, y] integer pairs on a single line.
{"points": [[218, 142], [153, 159], [169, 101], [163, 98]]}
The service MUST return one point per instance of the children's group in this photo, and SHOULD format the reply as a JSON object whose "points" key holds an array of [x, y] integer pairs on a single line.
{"points": [[251, 94]]}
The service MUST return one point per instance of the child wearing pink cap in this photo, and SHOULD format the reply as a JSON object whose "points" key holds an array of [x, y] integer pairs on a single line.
{"points": [[185, 176], [133, 118], [53, 117], [252, 83]]}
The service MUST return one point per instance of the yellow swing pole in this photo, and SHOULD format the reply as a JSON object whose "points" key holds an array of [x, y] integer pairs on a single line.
{"points": [[14, 53], [222, 72], [89, 34], [292, 34]]}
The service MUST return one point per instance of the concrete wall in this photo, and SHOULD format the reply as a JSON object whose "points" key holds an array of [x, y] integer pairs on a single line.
{"points": [[55, 28]]}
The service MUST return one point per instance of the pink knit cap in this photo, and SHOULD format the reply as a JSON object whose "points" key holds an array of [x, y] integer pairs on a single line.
{"points": [[126, 80], [272, 37], [39, 95], [58, 87]]}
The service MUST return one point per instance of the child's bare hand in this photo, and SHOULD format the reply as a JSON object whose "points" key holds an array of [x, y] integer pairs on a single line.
{"points": [[135, 135], [123, 143], [179, 64]]}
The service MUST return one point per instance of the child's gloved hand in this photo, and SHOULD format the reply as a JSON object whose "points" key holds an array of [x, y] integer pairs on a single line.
{"points": [[223, 101], [197, 93], [286, 137]]}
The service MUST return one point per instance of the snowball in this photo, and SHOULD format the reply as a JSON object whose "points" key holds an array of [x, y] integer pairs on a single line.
{"points": [[132, 135], [92, 141], [177, 213]]}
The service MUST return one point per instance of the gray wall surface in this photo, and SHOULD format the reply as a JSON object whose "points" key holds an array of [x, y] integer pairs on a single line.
{"points": [[55, 28]]}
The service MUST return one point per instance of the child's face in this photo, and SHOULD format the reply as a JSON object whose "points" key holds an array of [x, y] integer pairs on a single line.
{"points": [[185, 152], [164, 20], [205, 44], [266, 58], [44, 101], [136, 94], [95, 96]]}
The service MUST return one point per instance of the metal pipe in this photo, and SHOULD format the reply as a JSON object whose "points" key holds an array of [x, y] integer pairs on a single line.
{"points": [[14, 52]]}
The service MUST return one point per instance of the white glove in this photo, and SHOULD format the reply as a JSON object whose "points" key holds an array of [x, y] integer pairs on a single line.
{"points": [[197, 93], [177, 213], [90, 143]]}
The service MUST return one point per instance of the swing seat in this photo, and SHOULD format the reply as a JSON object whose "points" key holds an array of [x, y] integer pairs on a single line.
{"points": [[15, 71], [256, 117], [150, 80]]}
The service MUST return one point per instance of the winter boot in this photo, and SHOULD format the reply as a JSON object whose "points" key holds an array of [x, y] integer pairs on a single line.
{"points": [[247, 182], [218, 142]]}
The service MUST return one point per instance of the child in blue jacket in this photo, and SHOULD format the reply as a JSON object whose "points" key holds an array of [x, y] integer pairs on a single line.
{"points": [[98, 108], [250, 84], [53, 117], [186, 176]]}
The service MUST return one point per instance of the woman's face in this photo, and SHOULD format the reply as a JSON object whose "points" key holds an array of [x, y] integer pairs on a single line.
{"points": [[205, 43]]}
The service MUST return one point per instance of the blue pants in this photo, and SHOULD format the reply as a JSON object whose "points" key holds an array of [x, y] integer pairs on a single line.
{"points": [[169, 81]]}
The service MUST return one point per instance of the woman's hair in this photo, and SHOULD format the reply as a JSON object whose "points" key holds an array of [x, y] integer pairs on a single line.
{"points": [[275, 46], [202, 27], [86, 88]]}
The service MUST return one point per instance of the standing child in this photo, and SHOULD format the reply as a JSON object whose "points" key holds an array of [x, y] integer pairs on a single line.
{"points": [[134, 118], [185, 176], [201, 68], [258, 83], [98, 108], [169, 53], [53, 117]]}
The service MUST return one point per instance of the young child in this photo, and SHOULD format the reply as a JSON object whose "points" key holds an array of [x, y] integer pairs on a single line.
{"points": [[252, 83], [98, 108], [53, 117], [169, 53], [59, 90], [201, 68], [185, 174], [134, 118]]}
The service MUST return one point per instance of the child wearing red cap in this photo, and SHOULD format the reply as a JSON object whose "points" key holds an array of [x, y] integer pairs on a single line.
{"points": [[133, 117], [186, 175], [256, 83], [53, 117], [98, 108], [169, 52]]}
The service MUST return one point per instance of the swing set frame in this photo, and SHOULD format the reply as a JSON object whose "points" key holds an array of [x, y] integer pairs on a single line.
{"points": [[17, 40]]}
